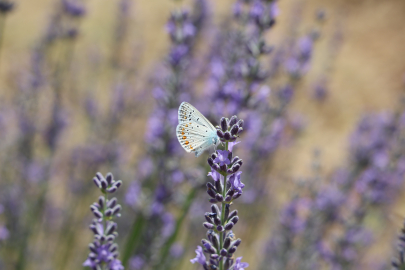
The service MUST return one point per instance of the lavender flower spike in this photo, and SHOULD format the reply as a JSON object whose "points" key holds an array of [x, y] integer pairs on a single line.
{"points": [[226, 188], [103, 250]]}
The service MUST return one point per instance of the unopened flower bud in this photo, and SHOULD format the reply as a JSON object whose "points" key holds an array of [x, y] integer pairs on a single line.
{"points": [[224, 252], [227, 135], [224, 124], [215, 209], [109, 178], [233, 120], [234, 130], [229, 226], [220, 133], [219, 197], [234, 219], [208, 225], [234, 213]]}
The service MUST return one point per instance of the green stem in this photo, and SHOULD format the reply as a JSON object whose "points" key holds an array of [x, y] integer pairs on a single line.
{"points": [[221, 234]]}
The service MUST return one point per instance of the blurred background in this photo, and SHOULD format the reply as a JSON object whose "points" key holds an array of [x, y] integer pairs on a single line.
{"points": [[94, 86]]}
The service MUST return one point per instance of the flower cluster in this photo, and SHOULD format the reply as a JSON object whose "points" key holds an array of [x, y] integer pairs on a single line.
{"points": [[221, 244], [103, 250]]}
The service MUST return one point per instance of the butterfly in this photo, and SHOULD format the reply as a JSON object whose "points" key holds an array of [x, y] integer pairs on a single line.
{"points": [[194, 132]]}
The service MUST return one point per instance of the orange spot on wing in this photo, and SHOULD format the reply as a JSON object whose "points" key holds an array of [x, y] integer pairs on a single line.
{"points": [[182, 133], [191, 147], [186, 142], [184, 137]]}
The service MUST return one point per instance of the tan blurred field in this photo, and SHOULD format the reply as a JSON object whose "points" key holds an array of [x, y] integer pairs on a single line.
{"points": [[366, 73]]}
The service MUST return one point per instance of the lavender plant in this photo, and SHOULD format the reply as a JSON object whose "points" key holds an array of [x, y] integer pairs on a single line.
{"points": [[103, 250], [221, 244], [172, 86]]}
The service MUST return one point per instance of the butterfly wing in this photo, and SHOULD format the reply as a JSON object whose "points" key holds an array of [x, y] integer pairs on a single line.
{"points": [[194, 138], [194, 132], [187, 113]]}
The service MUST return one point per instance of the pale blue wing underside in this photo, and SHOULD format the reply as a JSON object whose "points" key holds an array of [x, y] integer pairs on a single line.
{"points": [[194, 132]]}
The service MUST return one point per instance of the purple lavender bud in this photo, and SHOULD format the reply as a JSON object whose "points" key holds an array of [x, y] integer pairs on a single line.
{"points": [[111, 228], [235, 168], [113, 247], [220, 228], [211, 186], [234, 220], [229, 171], [227, 136], [240, 130], [92, 256], [233, 138], [228, 198], [240, 123], [210, 162], [214, 256], [112, 189], [208, 225], [208, 218], [236, 158], [217, 221], [232, 250], [92, 247], [111, 203], [220, 133], [224, 252], [99, 176], [116, 209], [234, 130], [208, 246], [226, 211], [103, 183], [227, 242], [228, 263], [108, 213], [219, 197], [117, 184], [215, 209], [101, 201], [213, 264], [93, 228], [109, 178], [214, 156], [212, 200], [97, 182], [216, 167], [218, 186], [214, 240], [97, 214], [236, 243], [93, 208], [223, 167], [211, 192], [224, 124], [237, 195], [230, 192], [233, 120], [229, 226], [110, 238], [234, 213], [240, 162]]}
